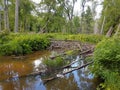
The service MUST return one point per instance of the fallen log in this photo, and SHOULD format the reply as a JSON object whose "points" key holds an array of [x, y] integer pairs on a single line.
{"points": [[83, 52], [88, 55], [64, 53], [87, 51], [40, 72], [78, 67], [67, 66], [52, 78], [53, 57]]}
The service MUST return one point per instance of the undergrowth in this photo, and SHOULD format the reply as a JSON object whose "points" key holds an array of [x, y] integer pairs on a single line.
{"points": [[80, 37], [106, 63], [20, 44], [57, 62], [24, 43]]}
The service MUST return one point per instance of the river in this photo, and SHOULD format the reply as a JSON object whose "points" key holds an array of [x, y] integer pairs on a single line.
{"points": [[11, 68]]}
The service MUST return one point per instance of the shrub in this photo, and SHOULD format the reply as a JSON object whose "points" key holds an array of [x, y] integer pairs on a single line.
{"points": [[57, 62], [4, 37], [106, 63], [107, 53], [3, 33], [23, 44]]}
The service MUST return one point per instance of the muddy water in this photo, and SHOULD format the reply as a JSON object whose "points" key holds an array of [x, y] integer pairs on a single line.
{"points": [[11, 68]]}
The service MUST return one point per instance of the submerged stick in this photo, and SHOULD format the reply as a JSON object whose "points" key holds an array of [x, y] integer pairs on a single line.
{"points": [[55, 77]]}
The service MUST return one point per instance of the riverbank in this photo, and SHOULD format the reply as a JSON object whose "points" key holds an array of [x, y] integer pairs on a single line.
{"points": [[25, 43]]}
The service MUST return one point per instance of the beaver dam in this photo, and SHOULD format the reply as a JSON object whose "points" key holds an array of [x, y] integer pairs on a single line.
{"points": [[29, 72]]}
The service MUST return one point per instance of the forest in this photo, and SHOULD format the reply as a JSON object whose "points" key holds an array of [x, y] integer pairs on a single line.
{"points": [[27, 27]]}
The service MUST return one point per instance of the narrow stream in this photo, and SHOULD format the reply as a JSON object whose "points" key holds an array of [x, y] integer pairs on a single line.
{"points": [[11, 68]]}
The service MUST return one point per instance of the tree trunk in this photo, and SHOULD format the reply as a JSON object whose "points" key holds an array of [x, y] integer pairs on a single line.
{"points": [[118, 31], [102, 25], [110, 31], [16, 15], [96, 30], [0, 22], [6, 18]]}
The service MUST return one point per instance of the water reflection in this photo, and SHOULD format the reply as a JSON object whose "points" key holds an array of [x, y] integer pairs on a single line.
{"points": [[38, 62], [81, 79], [13, 69], [63, 84], [77, 80]]}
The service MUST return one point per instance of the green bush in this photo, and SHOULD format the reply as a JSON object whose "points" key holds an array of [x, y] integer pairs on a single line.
{"points": [[57, 62], [112, 80], [3, 37], [107, 53], [20, 44], [3, 33], [106, 63]]}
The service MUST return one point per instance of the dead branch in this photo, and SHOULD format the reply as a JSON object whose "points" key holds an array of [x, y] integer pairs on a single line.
{"points": [[77, 68], [53, 57], [67, 66], [87, 51], [88, 55], [81, 53]]}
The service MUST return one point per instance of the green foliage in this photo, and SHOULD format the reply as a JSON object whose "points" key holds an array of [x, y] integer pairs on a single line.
{"points": [[23, 44], [57, 62], [107, 53], [90, 58], [87, 21], [106, 63], [3, 36], [55, 16], [3, 33], [69, 52], [112, 80], [26, 43], [111, 7], [80, 37], [87, 38]]}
